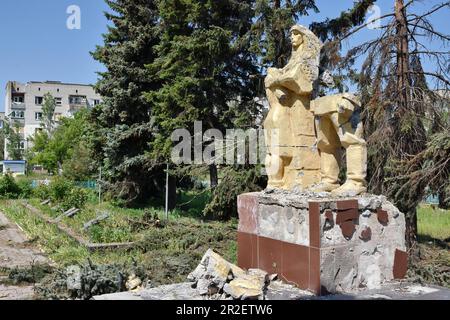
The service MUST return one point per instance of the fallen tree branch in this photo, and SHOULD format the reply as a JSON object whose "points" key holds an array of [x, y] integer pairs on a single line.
{"points": [[71, 234]]}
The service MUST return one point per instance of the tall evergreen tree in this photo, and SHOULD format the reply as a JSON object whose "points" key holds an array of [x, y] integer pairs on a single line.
{"points": [[273, 20], [122, 122], [207, 70]]}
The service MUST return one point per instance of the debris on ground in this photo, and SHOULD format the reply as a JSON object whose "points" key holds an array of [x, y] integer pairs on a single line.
{"points": [[216, 278], [133, 283], [95, 221], [29, 275], [148, 219], [83, 282], [433, 266]]}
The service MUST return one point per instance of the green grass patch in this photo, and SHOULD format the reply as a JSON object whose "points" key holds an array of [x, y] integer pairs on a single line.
{"points": [[433, 223], [167, 251]]}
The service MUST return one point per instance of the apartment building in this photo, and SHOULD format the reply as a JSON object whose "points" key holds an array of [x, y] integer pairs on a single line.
{"points": [[24, 101]]}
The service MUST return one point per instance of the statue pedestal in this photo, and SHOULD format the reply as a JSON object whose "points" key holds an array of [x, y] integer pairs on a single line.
{"points": [[326, 245]]}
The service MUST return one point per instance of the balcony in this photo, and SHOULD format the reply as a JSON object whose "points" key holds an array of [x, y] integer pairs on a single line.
{"points": [[18, 105], [17, 122]]}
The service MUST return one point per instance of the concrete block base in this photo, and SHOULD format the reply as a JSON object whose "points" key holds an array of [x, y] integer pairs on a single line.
{"points": [[322, 244]]}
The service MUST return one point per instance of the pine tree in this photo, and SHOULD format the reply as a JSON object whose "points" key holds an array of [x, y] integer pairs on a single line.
{"points": [[207, 70], [122, 123], [273, 21]]}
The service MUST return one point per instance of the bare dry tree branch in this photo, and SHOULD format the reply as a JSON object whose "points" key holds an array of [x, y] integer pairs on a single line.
{"points": [[431, 31], [433, 10], [351, 32]]}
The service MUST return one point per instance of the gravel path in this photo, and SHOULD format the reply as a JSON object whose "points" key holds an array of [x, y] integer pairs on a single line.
{"points": [[16, 251]]}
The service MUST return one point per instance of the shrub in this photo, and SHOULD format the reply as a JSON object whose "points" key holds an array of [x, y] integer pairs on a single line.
{"points": [[9, 189], [60, 188], [42, 192], [26, 191], [76, 198]]}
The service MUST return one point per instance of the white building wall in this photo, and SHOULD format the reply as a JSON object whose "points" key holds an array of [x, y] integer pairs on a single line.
{"points": [[39, 89]]}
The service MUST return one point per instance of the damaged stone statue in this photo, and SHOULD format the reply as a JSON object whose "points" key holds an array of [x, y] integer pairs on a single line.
{"points": [[304, 137], [306, 227]]}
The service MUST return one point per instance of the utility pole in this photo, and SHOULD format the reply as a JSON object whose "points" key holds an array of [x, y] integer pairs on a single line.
{"points": [[100, 187], [167, 192]]}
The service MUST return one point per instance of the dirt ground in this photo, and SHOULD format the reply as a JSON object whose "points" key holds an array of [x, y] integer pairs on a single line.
{"points": [[16, 251]]}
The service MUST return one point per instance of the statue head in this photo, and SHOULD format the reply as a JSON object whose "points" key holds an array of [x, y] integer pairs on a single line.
{"points": [[307, 40], [296, 38]]}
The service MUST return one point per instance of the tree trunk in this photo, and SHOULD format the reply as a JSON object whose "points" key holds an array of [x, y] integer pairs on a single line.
{"points": [[411, 229], [280, 40], [172, 193], [213, 176], [442, 203], [403, 104], [402, 57]]}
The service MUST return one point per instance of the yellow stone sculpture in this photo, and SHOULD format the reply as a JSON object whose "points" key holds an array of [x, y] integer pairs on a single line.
{"points": [[339, 126], [303, 137], [292, 159]]}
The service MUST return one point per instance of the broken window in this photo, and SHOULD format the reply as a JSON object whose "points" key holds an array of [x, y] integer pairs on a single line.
{"points": [[38, 101]]}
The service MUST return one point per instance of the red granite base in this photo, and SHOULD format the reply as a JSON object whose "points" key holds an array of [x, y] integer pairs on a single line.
{"points": [[298, 264]]}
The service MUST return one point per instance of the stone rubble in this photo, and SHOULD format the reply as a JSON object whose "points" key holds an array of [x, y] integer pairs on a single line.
{"points": [[217, 279], [215, 276]]}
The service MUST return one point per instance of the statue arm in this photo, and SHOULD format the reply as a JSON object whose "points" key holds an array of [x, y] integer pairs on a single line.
{"points": [[293, 79], [296, 81]]}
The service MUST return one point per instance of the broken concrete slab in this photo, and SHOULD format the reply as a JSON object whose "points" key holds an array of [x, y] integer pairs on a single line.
{"points": [[216, 270], [244, 289]]}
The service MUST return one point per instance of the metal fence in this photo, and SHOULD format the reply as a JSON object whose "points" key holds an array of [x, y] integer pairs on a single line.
{"points": [[89, 184]]}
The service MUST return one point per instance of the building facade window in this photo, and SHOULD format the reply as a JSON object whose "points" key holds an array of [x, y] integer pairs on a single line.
{"points": [[37, 116], [17, 114], [78, 100], [58, 101], [18, 99], [96, 102], [39, 101]]}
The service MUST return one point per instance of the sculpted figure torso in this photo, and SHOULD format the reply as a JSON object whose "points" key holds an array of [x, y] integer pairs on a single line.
{"points": [[304, 138], [292, 161]]}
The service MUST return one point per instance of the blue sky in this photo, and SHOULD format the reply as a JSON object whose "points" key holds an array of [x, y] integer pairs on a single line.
{"points": [[36, 44]]}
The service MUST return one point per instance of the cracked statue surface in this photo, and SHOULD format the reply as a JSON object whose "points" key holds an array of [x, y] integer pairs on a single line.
{"points": [[305, 136]]}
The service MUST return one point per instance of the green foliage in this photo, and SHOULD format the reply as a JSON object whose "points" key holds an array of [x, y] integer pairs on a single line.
{"points": [[2, 143], [42, 192], [60, 188], [205, 66], [29, 275], [48, 111], [79, 167], [67, 143], [331, 29], [235, 182], [93, 280], [8, 187], [26, 190], [14, 139], [122, 126], [75, 198], [271, 28]]}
